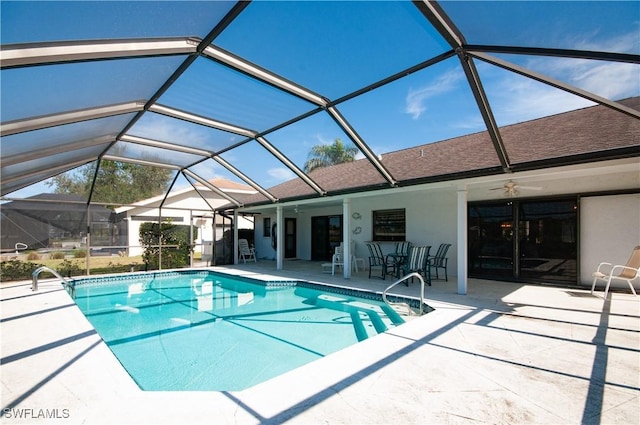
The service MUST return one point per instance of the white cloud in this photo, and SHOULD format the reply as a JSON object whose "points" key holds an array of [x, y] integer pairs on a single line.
{"points": [[417, 98], [624, 43], [515, 98], [280, 174], [610, 80]]}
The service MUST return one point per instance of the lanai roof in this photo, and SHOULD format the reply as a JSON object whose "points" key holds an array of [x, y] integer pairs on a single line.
{"points": [[242, 90]]}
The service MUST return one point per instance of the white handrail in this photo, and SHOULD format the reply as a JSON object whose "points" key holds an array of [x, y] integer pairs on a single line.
{"points": [[36, 272], [412, 275]]}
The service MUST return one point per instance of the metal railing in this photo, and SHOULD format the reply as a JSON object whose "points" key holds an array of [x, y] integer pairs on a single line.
{"points": [[70, 287], [391, 304]]}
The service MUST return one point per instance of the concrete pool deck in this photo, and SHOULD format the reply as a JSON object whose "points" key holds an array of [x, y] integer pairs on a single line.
{"points": [[504, 353]]}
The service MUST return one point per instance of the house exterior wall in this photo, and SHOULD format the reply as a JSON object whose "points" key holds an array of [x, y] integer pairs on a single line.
{"points": [[609, 226], [609, 230], [430, 219]]}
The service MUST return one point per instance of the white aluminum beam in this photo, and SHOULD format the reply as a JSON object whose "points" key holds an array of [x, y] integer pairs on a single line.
{"points": [[52, 170], [175, 113], [201, 152], [286, 161], [264, 75], [164, 145], [47, 53], [244, 177], [45, 121], [212, 187], [54, 149], [364, 148], [139, 162]]}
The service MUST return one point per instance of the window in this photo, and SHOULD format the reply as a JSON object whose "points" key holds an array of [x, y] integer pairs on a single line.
{"points": [[389, 225], [266, 227]]}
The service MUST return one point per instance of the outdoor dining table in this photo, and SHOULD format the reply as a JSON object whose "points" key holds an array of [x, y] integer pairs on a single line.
{"points": [[399, 260]]}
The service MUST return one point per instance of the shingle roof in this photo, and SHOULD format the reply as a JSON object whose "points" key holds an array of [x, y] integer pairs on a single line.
{"points": [[591, 129], [572, 133]]}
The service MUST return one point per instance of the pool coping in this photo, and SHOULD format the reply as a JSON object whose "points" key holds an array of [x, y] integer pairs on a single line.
{"points": [[61, 368]]}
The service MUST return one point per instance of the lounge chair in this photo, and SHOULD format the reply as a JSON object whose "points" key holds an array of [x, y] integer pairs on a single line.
{"points": [[246, 253], [439, 261], [608, 272], [418, 261], [378, 259]]}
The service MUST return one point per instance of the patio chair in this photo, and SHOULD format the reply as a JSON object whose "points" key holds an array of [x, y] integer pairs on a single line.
{"points": [[608, 272], [418, 261], [439, 261], [246, 253], [402, 248], [377, 259], [399, 256], [337, 259]]}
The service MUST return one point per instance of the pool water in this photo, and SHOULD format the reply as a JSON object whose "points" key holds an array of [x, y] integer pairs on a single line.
{"points": [[208, 331]]}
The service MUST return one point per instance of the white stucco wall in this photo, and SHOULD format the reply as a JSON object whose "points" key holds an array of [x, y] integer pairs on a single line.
{"points": [[609, 229], [431, 220], [609, 226], [430, 217]]}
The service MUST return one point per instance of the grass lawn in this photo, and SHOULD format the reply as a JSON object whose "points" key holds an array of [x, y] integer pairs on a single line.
{"points": [[95, 262]]}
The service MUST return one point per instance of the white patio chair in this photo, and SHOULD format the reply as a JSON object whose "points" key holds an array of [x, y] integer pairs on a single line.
{"points": [[337, 260], [608, 272], [246, 253]]}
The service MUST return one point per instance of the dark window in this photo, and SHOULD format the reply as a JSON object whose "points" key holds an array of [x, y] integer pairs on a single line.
{"points": [[266, 227], [389, 225]]}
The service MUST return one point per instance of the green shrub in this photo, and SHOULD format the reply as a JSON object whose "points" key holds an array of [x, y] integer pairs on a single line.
{"points": [[33, 256], [70, 268], [80, 253], [16, 270], [57, 255], [170, 234]]}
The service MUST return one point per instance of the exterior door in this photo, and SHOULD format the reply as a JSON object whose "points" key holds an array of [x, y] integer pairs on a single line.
{"points": [[290, 236], [547, 241], [490, 236], [530, 240], [326, 234]]}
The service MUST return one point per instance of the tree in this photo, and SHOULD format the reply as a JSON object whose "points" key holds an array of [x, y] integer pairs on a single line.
{"points": [[116, 182], [326, 155]]}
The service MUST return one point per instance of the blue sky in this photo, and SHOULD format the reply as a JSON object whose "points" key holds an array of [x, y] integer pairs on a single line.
{"points": [[332, 48]]}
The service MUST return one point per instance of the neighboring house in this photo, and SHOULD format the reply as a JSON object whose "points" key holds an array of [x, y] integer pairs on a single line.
{"points": [[577, 203], [184, 206]]}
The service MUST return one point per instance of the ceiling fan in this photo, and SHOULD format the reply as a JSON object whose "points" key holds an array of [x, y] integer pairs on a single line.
{"points": [[512, 188]]}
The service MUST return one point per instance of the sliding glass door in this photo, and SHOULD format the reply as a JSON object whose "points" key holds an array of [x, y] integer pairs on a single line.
{"points": [[530, 240], [491, 246], [548, 241]]}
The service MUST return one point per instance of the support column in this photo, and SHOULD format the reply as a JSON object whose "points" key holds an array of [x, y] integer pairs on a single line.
{"points": [[462, 241], [234, 254], [346, 238], [88, 244], [191, 238], [279, 238]]}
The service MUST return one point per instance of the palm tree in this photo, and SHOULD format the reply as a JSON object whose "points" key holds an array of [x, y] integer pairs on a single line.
{"points": [[326, 155]]}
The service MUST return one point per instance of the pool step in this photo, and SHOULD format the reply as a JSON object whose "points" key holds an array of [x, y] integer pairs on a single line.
{"points": [[360, 311]]}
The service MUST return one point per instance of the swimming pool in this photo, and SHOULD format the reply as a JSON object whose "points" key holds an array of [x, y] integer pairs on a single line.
{"points": [[201, 330]]}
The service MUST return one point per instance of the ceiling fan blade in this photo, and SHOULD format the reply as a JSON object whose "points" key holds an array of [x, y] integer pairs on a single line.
{"points": [[529, 187]]}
